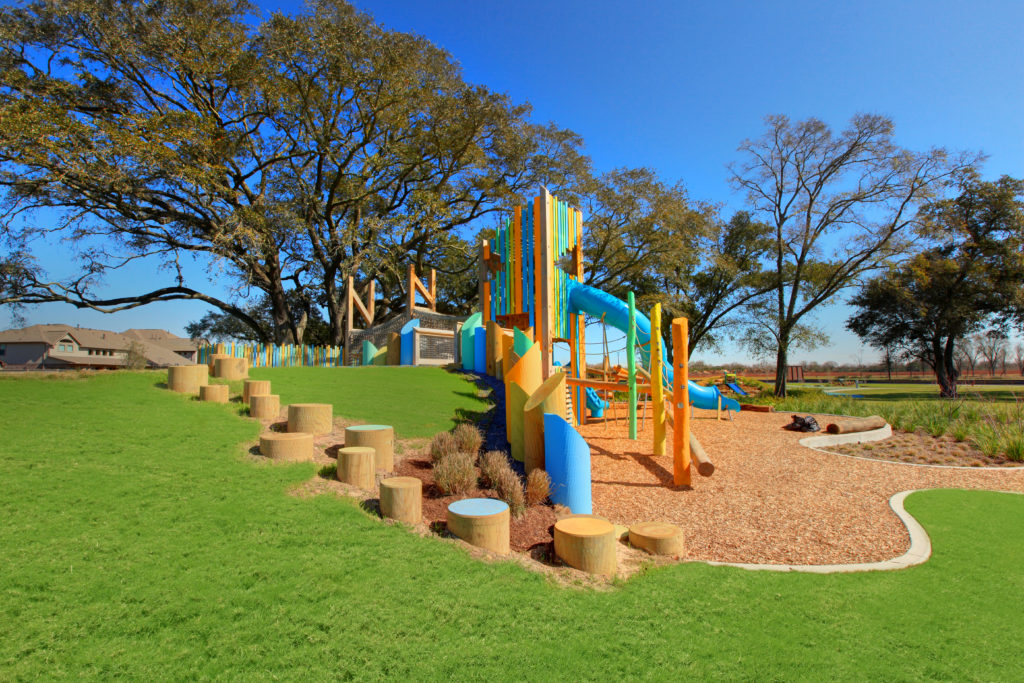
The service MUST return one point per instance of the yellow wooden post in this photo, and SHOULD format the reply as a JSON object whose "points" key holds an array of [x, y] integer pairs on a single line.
{"points": [[680, 403], [657, 383]]}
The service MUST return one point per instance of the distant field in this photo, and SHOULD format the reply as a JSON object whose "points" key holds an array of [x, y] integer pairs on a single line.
{"points": [[925, 392]]}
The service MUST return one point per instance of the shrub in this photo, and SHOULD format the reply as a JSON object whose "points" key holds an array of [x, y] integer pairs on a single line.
{"points": [[491, 464], [1013, 446], [509, 488], [455, 473], [538, 486], [442, 445], [468, 439]]}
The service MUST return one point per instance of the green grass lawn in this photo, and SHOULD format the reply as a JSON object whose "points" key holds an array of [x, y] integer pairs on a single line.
{"points": [[926, 392], [417, 402], [138, 541]]}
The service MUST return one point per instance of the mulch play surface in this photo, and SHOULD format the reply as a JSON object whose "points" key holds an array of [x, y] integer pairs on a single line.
{"points": [[770, 500]]}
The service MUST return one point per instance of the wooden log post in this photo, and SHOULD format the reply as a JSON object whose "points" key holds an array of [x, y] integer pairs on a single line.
{"points": [[704, 465], [287, 446], [254, 387], [356, 466], [483, 522], [312, 418], [657, 383], [401, 498], [183, 379], [586, 543], [862, 424], [265, 406], [657, 538], [394, 349], [680, 403], [381, 438], [214, 393]]}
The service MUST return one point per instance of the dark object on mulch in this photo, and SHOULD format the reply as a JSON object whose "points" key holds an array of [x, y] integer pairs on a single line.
{"points": [[803, 424]]}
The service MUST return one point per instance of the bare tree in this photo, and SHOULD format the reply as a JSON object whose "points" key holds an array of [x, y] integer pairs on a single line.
{"points": [[839, 205], [1018, 357], [993, 347]]}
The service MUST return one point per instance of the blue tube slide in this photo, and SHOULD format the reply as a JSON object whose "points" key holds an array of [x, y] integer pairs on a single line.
{"points": [[594, 302], [595, 403], [567, 460]]}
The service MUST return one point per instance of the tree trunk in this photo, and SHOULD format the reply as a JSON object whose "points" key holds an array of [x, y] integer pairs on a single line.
{"points": [[945, 368], [781, 366], [284, 328]]}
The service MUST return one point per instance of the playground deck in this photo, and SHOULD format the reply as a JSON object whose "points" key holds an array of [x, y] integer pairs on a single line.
{"points": [[770, 499]]}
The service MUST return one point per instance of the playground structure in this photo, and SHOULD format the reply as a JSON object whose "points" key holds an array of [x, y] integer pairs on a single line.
{"points": [[532, 296]]}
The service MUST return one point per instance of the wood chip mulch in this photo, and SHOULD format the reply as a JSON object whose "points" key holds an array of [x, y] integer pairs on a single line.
{"points": [[769, 500]]}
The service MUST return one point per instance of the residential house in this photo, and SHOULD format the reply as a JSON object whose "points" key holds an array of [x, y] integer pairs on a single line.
{"points": [[66, 346]]}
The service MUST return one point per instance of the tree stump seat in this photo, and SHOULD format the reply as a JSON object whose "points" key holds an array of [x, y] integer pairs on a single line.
{"points": [[586, 543], [356, 466], [265, 406], [401, 498], [184, 379], [312, 418], [214, 393], [254, 387], [657, 538], [381, 438], [231, 368], [483, 522], [287, 446]]}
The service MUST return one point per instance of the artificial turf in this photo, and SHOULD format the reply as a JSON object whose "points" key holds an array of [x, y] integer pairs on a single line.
{"points": [[138, 540]]}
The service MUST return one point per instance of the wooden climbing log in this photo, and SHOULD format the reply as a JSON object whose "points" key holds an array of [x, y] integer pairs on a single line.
{"points": [[214, 393], [752, 408], [704, 465], [356, 466], [401, 498], [862, 424], [394, 349], [381, 438], [288, 446], [231, 368], [183, 378], [657, 538], [254, 387], [586, 543], [312, 418], [265, 406], [483, 522]]}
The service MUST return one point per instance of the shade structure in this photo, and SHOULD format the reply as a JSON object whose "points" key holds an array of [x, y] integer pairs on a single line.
{"points": [[467, 340], [480, 350], [408, 339], [548, 398], [567, 461]]}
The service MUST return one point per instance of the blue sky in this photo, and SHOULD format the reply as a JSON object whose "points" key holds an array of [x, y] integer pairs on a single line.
{"points": [[676, 86]]}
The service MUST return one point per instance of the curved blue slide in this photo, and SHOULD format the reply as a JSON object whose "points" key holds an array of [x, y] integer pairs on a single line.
{"points": [[594, 302], [595, 403]]}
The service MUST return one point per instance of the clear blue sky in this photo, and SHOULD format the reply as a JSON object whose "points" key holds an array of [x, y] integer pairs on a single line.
{"points": [[678, 85]]}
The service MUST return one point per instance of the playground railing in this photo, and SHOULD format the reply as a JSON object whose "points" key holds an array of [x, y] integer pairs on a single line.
{"points": [[276, 356]]}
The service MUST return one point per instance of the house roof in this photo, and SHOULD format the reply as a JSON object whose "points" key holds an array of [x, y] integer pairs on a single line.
{"points": [[158, 346], [162, 338]]}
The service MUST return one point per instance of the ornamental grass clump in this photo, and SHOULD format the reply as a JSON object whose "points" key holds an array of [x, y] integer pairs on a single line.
{"points": [[538, 487], [491, 463], [455, 473], [509, 488], [442, 445], [468, 438]]}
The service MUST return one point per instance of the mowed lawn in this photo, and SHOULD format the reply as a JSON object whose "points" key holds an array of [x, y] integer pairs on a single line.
{"points": [[924, 392], [138, 540], [417, 402]]}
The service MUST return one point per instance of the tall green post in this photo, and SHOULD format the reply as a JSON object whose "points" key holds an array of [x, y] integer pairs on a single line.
{"points": [[631, 364]]}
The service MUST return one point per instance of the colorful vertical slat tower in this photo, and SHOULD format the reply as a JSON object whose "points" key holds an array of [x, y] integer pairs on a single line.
{"points": [[523, 275]]}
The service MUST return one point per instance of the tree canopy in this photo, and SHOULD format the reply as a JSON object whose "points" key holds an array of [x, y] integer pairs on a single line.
{"points": [[968, 277]]}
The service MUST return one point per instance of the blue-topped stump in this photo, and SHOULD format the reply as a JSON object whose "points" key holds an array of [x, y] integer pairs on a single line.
{"points": [[483, 522], [381, 438]]}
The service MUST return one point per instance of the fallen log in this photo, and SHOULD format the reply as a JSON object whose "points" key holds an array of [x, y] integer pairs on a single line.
{"points": [[861, 424], [704, 465]]}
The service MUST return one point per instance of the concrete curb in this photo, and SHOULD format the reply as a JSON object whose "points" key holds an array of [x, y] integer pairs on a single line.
{"points": [[823, 440], [920, 550]]}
